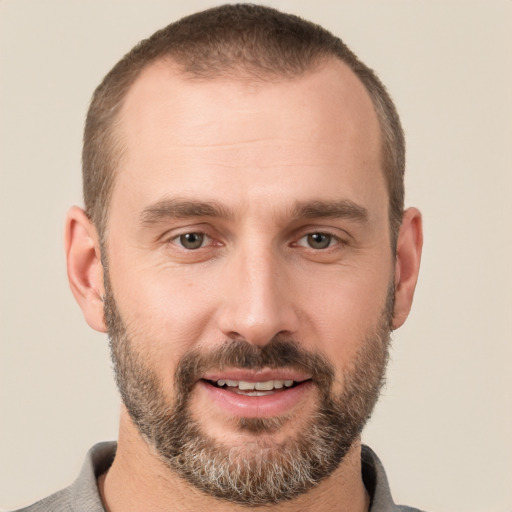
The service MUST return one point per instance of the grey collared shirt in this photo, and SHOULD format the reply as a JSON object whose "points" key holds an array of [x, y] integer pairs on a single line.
{"points": [[83, 494]]}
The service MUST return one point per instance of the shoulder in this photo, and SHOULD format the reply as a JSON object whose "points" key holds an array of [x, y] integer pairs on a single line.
{"points": [[82, 495], [58, 502], [376, 483]]}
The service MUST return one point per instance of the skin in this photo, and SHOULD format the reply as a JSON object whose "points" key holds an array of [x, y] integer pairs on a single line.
{"points": [[259, 150]]}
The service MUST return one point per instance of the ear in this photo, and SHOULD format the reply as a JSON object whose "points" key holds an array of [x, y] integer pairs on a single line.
{"points": [[407, 266], [85, 271]]}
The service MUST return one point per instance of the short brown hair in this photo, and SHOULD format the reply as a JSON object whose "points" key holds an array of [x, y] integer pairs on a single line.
{"points": [[230, 40]]}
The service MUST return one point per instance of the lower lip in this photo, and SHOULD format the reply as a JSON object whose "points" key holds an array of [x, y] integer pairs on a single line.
{"points": [[267, 406]]}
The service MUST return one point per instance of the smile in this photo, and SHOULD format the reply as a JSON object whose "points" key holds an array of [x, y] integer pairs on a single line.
{"points": [[261, 388], [270, 393]]}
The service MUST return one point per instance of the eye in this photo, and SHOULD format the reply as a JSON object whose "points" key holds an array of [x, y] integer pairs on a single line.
{"points": [[317, 240], [191, 241]]}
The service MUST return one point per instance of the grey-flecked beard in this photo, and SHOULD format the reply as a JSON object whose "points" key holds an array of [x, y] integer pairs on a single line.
{"points": [[261, 472]]}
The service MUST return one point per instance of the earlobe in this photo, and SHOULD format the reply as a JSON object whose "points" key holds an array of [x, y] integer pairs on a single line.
{"points": [[408, 256], [85, 271]]}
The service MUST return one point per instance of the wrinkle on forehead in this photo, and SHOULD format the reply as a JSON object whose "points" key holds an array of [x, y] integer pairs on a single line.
{"points": [[199, 110]]}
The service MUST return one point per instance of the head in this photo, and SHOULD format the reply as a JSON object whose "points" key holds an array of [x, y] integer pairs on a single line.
{"points": [[245, 247]]}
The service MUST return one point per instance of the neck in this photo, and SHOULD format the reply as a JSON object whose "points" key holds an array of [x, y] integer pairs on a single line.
{"points": [[139, 481]]}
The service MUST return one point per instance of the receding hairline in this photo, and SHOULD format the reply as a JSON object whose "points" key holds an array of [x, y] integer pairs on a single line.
{"points": [[237, 42], [168, 67], [242, 75]]}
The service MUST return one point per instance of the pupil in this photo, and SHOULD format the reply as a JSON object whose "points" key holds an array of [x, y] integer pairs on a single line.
{"points": [[192, 240], [319, 240]]}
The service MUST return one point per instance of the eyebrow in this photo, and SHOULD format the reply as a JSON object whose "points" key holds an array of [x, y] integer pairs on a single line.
{"points": [[331, 209], [181, 209]]}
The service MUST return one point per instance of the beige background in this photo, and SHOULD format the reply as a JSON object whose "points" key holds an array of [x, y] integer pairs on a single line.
{"points": [[444, 426]]}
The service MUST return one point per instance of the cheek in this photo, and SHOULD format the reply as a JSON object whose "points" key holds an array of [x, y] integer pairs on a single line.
{"points": [[344, 315], [165, 315]]}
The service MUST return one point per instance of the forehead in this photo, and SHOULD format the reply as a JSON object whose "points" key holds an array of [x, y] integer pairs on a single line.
{"points": [[247, 134]]}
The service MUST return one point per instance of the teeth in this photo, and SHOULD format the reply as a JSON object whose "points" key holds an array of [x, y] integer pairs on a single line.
{"points": [[260, 386], [264, 386], [257, 393]]}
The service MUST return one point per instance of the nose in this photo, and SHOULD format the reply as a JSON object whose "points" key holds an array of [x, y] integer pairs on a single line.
{"points": [[258, 302]]}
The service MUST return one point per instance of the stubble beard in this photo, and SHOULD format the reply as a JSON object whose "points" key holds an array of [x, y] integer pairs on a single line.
{"points": [[260, 472]]}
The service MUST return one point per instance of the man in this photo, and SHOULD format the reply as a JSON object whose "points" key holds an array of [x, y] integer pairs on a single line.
{"points": [[245, 246]]}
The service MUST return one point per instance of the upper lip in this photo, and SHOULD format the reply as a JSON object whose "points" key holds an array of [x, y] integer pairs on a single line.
{"points": [[264, 375]]}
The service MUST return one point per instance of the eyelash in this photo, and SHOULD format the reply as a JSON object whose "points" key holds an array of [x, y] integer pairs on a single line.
{"points": [[332, 242], [177, 240]]}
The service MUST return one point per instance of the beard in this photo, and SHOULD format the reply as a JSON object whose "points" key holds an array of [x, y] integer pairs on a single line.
{"points": [[260, 472]]}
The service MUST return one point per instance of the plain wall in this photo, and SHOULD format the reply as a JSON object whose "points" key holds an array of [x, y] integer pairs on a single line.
{"points": [[443, 426]]}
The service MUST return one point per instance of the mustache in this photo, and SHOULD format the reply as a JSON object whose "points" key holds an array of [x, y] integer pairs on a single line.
{"points": [[277, 353]]}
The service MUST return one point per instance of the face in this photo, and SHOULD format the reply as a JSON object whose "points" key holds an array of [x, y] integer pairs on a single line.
{"points": [[250, 277]]}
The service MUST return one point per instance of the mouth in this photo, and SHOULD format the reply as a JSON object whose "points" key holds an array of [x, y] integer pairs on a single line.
{"points": [[258, 388], [264, 394]]}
